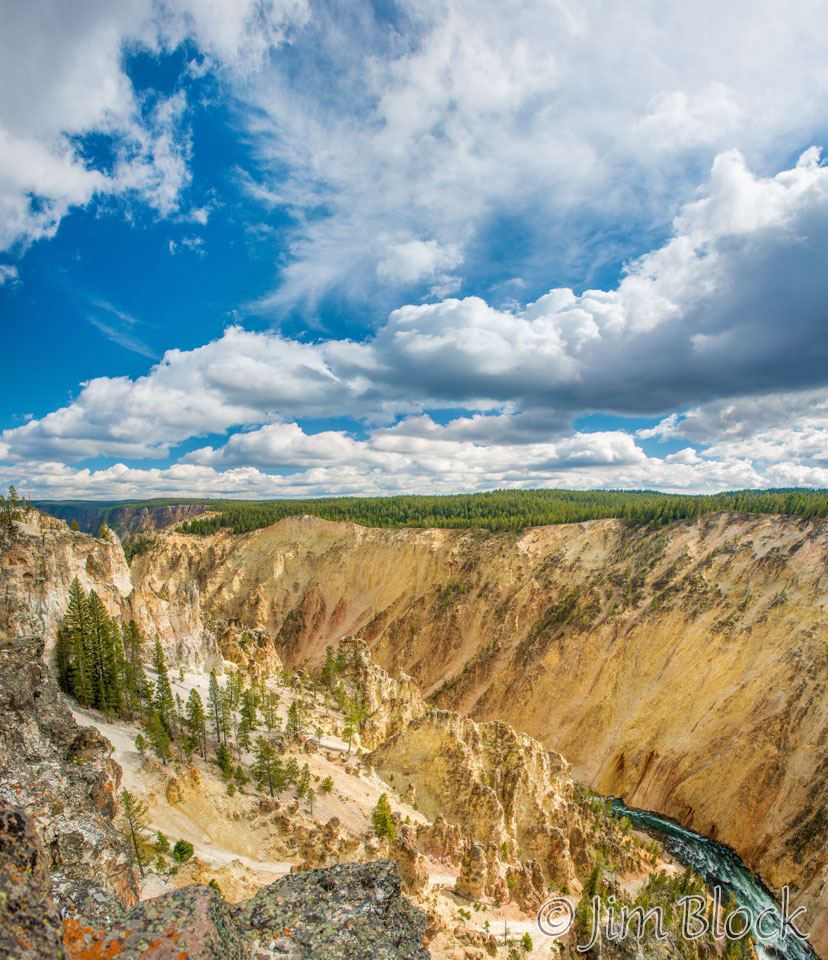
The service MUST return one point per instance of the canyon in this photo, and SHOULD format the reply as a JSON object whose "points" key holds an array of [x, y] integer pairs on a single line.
{"points": [[682, 668]]}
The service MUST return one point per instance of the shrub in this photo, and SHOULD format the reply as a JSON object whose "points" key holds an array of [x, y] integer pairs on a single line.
{"points": [[182, 850]]}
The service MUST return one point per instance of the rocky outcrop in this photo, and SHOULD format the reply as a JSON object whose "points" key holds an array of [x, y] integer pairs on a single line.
{"points": [[501, 788], [250, 650], [61, 774], [341, 913], [440, 840], [192, 922], [346, 912], [30, 924], [474, 871], [412, 870], [38, 562]]}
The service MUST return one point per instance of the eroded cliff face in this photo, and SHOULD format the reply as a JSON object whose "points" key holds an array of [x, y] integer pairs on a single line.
{"points": [[508, 793], [41, 558], [683, 669], [37, 565]]}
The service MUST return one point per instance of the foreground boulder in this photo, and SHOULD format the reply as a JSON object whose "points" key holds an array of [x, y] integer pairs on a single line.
{"points": [[192, 922], [347, 912], [30, 925], [60, 774]]}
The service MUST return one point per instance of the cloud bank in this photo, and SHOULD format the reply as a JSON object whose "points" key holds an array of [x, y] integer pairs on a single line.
{"points": [[730, 310]]}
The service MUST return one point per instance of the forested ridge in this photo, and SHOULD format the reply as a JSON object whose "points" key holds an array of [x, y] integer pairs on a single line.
{"points": [[510, 509], [495, 511]]}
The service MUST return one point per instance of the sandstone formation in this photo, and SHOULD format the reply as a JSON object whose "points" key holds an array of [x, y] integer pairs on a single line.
{"points": [[681, 668]]}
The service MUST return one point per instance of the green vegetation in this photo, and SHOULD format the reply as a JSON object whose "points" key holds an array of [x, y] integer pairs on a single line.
{"points": [[182, 850], [99, 661], [510, 509], [134, 820], [383, 820]]}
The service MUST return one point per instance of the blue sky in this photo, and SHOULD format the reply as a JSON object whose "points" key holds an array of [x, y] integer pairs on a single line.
{"points": [[291, 248]]}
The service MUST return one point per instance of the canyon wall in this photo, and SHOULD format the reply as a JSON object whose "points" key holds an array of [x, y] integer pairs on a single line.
{"points": [[683, 669], [39, 562]]}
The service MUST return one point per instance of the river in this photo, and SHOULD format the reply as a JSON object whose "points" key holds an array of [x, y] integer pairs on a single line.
{"points": [[719, 865]]}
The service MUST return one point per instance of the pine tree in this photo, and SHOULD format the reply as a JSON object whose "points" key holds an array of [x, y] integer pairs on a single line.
{"points": [[248, 709], [76, 623], [135, 680], [134, 817], [102, 657], [293, 724], [280, 777], [303, 788], [270, 703], [158, 736], [292, 771], [74, 526], [225, 761], [163, 701], [10, 509], [196, 721], [355, 713], [243, 735], [264, 767], [383, 821], [140, 744], [214, 697]]}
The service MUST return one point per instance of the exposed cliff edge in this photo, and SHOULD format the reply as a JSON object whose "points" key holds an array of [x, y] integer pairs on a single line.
{"points": [[60, 774], [683, 669]]}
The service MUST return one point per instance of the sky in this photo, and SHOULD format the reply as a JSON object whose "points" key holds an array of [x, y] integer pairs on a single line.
{"points": [[293, 248]]}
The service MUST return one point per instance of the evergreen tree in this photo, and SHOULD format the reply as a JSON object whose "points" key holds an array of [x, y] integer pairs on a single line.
{"points": [[134, 818], [292, 771], [264, 766], [182, 851], [102, 657], [383, 821], [196, 722], [293, 724], [77, 627], [214, 696], [355, 713], [140, 744], [158, 736], [11, 506], [248, 709], [163, 702], [270, 703], [74, 526], [243, 735], [224, 761], [303, 787], [235, 687]]}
